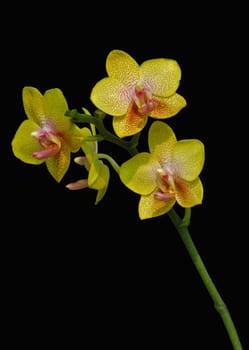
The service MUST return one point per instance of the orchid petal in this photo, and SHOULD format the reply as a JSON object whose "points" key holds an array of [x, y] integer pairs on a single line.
{"points": [[168, 107], [59, 164], [150, 207], [128, 126], [33, 104], [189, 194], [139, 173], [162, 75], [161, 141], [94, 171], [188, 158], [24, 145], [101, 183], [111, 96], [75, 138], [56, 106], [122, 67]]}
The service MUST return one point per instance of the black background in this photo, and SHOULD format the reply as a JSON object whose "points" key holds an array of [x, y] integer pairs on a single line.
{"points": [[98, 275]]}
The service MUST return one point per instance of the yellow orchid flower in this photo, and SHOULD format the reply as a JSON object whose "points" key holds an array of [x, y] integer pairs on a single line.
{"points": [[47, 135], [169, 173], [98, 172], [131, 93]]}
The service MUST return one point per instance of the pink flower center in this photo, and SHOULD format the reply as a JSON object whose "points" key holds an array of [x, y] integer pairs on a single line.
{"points": [[165, 182], [143, 99], [49, 141]]}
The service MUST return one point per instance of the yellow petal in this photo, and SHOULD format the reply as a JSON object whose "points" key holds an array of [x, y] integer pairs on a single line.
{"points": [[189, 194], [24, 145], [94, 172], [163, 75], [122, 67], [150, 207], [59, 164], [188, 158], [74, 138], [33, 104], [96, 180], [161, 140], [102, 191], [169, 106], [139, 173], [125, 126], [110, 96], [56, 106]]}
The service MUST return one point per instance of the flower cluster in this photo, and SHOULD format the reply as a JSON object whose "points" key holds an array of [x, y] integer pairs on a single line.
{"points": [[165, 174]]}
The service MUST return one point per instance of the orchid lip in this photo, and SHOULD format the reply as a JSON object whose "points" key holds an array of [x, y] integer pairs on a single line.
{"points": [[143, 99], [48, 140], [50, 151], [78, 185], [164, 196]]}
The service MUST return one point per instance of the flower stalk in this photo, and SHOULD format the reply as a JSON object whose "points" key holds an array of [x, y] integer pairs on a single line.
{"points": [[114, 164], [182, 228], [166, 174], [98, 120]]}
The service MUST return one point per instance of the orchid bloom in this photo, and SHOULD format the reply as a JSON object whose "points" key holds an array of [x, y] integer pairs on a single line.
{"points": [[98, 172], [47, 135], [169, 173], [131, 93]]}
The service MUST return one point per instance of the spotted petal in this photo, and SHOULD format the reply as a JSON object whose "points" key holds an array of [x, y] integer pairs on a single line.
{"points": [[33, 104], [162, 140], [163, 75], [111, 96], [168, 107], [188, 158], [150, 207], [122, 67], [189, 194], [24, 145], [139, 173], [59, 164], [56, 106], [128, 125]]}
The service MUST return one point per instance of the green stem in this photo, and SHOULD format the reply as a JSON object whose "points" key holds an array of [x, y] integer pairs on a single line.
{"points": [[110, 160], [98, 120], [182, 228]]}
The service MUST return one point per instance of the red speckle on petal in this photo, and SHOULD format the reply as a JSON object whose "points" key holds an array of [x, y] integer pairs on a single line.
{"points": [[164, 196], [180, 185], [134, 117]]}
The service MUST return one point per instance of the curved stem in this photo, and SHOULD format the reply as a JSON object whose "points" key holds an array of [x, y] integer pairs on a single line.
{"points": [[97, 120], [110, 160], [182, 228]]}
